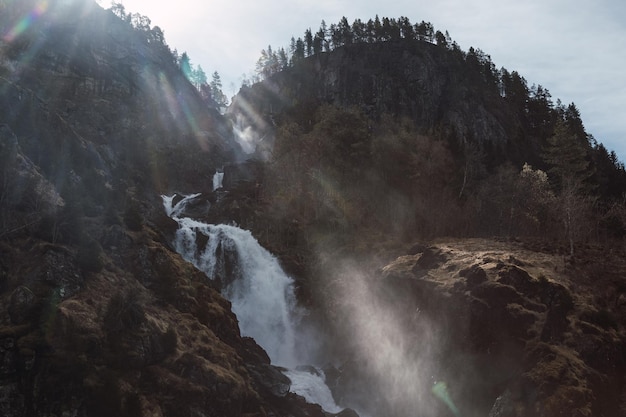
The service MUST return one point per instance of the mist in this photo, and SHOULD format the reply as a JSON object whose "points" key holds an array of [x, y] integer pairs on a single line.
{"points": [[392, 349]]}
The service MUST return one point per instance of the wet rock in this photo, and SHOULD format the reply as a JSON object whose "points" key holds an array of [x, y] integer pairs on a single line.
{"points": [[197, 208], [348, 412], [560, 303], [518, 320], [270, 379], [497, 295], [417, 248], [556, 324], [252, 352], [504, 406]]}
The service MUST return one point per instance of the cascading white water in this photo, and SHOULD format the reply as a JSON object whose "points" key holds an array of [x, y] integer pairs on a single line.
{"points": [[175, 210], [245, 135], [218, 178], [311, 384], [261, 293]]}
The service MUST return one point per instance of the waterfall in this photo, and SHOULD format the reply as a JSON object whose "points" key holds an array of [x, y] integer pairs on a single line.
{"points": [[175, 210], [245, 135], [218, 178], [261, 293]]}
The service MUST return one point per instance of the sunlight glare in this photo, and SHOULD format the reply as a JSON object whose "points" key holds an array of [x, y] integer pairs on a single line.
{"points": [[26, 21]]}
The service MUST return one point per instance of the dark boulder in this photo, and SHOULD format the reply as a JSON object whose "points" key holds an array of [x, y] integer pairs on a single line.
{"points": [[473, 275]]}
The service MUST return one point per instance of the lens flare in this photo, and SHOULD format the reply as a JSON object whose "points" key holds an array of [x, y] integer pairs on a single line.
{"points": [[25, 22], [178, 108], [440, 389]]}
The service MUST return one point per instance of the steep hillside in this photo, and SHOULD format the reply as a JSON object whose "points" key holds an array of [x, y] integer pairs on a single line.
{"points": [[416, 79], [98, 315], [80, 76], [486, 116]]}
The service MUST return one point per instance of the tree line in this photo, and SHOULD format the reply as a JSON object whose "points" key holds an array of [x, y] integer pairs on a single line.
{"points": [[328, 38], [211, 92]]}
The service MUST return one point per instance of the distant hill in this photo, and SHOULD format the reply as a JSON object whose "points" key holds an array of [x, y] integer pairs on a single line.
{"points": [[375, 105]]}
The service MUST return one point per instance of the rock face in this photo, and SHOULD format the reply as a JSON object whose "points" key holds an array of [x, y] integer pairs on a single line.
{"points": [[112, 95], [414, 79], [519, 332]]}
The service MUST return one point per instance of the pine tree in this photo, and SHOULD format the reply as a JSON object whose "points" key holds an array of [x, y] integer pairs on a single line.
{"points": [[323, 33], [216, 90], [345, 31], [199, 77], [298, 53], [185, 65], [283, 60], [566, 154], [262, 63], [308, 42], [318, 42]]}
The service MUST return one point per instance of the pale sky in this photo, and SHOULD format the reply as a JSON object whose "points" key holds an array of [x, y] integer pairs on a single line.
{"points": [[574, 48]]}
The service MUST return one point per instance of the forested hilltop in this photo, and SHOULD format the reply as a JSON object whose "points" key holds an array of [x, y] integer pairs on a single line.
{"points": [[388, 125]]}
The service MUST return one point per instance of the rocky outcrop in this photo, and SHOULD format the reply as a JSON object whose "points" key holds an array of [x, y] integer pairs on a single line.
{"points": [[479, 327], [536, 334]]}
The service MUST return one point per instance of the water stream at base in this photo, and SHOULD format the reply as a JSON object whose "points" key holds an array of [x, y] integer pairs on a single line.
{"points": [[261, 293]]}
